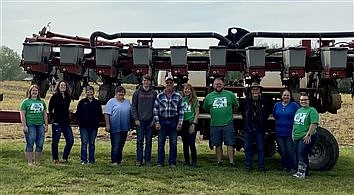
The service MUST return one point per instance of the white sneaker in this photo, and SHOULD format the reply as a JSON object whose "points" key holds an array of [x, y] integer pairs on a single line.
{"points": [[299, 175], [114, 164]]}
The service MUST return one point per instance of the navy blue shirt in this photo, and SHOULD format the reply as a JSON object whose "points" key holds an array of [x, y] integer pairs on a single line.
{"points": [[89, 113], [284, 117]]}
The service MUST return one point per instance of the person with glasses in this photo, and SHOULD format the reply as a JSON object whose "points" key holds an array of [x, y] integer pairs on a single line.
{"points": [[221, 104], [142, 112], [283, 113], [117, 118], [304, 134], [89, 112], [255, 112], [168, 117]]}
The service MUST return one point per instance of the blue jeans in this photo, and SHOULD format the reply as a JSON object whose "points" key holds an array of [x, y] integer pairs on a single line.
{"points": [[144, 131], [188, 140], [249, 138], [287, 149], [35, 134], [303, 150], [88, 136], [117, 144], [57, 129], [168, 128]]}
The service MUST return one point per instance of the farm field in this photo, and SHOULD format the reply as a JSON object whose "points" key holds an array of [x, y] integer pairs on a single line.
{"points": [[73, 178]]}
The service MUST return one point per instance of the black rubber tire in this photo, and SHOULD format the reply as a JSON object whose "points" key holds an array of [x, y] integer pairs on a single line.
{"points": [[270, 145], [325, 152], [43, 85]]}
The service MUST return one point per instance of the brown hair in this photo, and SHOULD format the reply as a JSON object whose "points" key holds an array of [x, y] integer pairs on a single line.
{"points": [[147, 77], [90, 88], [29, 90], [193, 96], [288, 90], [120, 89], [67, 91]]}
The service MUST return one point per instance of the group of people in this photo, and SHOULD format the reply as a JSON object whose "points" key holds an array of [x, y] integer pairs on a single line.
{"points": [[169, 112]]}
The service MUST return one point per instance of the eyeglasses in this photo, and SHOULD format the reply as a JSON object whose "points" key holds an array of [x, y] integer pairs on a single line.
{"points": [[304, 99]]}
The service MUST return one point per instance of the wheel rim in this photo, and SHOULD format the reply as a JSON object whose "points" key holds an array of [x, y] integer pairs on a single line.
{"points": [[317, 153]]}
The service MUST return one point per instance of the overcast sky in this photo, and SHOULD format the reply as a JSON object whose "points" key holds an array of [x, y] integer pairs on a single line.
{"points": [[20, 19]]}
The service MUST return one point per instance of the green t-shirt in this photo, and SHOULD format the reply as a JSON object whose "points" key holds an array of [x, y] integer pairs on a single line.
{"points": [[189, 110], [34, 111], [304, 117], [220, 105]]}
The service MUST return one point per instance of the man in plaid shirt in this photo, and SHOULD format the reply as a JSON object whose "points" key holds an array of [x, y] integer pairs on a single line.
{"points": [[168, 117]]}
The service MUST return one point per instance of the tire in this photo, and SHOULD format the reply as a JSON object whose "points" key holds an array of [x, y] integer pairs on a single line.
{"points": [[270, 145], [43, 85], [325, 152]]}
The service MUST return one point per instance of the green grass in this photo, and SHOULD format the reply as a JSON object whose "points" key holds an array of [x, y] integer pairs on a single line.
{"points": [[74, 178]]}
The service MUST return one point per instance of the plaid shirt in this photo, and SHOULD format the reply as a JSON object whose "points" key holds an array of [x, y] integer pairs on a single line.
{"points": [[168, 108]]}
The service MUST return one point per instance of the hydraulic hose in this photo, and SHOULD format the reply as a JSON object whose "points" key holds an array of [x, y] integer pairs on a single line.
{"points": [[241, 43]]}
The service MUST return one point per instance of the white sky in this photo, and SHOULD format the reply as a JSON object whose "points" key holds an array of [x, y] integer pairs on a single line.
{"points": [[22, 18]]}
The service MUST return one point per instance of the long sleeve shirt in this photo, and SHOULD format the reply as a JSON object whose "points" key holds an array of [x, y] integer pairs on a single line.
{"points": [[59, 109], [143, 104], [168, 107], [89, 113]]}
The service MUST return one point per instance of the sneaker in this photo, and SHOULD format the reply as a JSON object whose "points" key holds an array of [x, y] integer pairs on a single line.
{"points": [[262, 169], [220, 164], [249, 169], [148, 163], [172, 166], [159, 165], [64, 161], [232, 165], [138, 164], [55, 162], [114, 164], [83, 163], [299, 175], [186, 164], [194, 165]]}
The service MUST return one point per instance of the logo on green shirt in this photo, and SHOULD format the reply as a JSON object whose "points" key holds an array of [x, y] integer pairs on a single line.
{"points": [[220, 102], [299, 118]]}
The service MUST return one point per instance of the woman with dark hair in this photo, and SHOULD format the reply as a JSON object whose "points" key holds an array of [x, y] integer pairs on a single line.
{"points": [[117, 117], [35, 123], [283, 113], [304, 134], [59, 113], [191, 112], [88, 113]]}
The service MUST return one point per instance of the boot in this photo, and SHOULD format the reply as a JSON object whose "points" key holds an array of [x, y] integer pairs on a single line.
{"points": [[37, 158], [301, 172], [29, 158]]}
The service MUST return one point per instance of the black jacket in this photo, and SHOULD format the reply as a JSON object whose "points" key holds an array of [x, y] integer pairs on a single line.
{"points": [[255, 115], [59, 109], [89, 113]]}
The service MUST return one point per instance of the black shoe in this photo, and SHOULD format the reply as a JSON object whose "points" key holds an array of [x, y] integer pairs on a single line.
{"points": [[262, 169], [232, 165], [138, 164], [185, 164], [194, 165], [249, 169], [220, 164]]}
